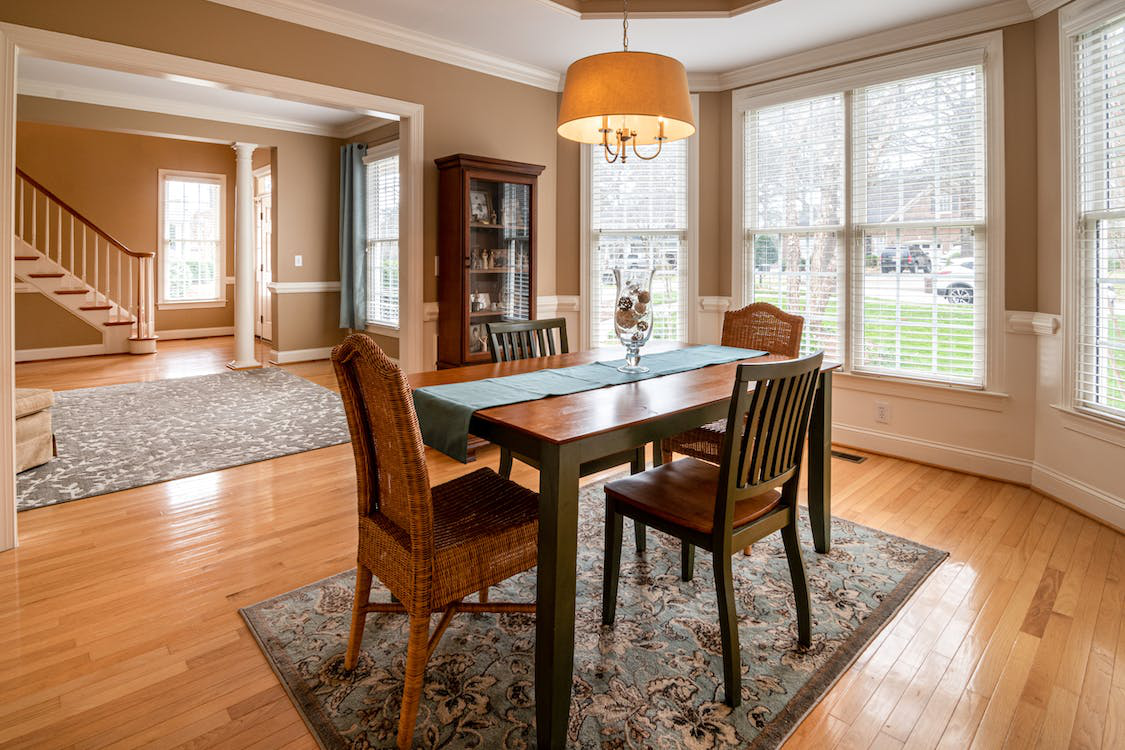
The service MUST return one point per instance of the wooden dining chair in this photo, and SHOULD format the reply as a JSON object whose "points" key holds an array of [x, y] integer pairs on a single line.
{"points": [[760, 326], [750, 494], [520, 339], [430, 546], [526, 339]]}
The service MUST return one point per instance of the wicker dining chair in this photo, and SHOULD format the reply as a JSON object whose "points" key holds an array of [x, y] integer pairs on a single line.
{"points": [[430, 546], [526, 339], [726, 507]]}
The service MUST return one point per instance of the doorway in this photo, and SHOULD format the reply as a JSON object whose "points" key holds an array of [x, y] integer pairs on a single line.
{"points": [[263, 241]]}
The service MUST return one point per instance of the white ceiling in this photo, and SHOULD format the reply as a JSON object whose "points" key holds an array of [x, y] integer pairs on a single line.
{"points": [[60, 80], [543, 34]]}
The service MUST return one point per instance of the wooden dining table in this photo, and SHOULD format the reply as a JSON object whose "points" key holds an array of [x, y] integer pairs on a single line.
{"points": [[561, 433]]}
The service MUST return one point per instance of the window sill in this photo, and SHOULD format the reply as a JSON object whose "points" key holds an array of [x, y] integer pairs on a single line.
{"points": [[380, 330], [1094, 426], [191, 305], [942, 394]]}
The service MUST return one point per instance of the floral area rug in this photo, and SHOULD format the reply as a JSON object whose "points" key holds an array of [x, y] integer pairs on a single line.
{"points": [[115, 437], [652, 680]]}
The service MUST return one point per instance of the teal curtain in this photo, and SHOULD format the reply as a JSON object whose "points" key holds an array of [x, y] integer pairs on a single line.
{"points": [[353, 237]]}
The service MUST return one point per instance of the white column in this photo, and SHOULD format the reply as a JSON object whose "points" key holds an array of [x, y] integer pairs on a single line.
{"points": [[244, 259]]}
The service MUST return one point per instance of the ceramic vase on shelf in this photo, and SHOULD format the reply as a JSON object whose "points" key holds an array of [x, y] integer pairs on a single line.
{"points": [[632, 315]]}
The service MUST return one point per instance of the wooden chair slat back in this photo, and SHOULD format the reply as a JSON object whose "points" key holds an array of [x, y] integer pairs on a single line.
{"points": [[766, 428], [390, 459], [524, 339], [764, 327]]}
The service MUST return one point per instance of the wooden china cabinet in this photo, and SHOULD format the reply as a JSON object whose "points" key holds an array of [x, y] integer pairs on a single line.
{"points": [[486, 251]]}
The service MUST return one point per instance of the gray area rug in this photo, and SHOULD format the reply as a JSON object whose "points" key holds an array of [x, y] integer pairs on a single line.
{"points": [[652, 680], [120, 436]]}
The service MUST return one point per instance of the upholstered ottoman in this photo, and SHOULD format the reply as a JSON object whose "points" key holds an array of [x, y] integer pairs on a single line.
{"points": [[35, 441]]}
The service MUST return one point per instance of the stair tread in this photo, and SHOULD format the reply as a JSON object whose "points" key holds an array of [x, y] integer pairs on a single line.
{"points": [[96, 307], [27, 257], [70, 291], [118, 323], [52, 275]]}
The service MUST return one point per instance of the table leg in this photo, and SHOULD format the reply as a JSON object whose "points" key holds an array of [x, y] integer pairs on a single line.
{"points": [[556, 580], [636, 467], [820, 465]]}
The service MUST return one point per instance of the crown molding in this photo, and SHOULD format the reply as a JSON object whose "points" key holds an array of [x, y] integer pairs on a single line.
{"points": [[324, 17], [88, 95], [1043, 7], [938, 29]]}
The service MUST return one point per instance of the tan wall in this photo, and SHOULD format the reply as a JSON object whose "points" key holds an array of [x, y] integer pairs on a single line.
{"points": [[1021, 177], [113, 179], [43, 324], [1049, 162]]}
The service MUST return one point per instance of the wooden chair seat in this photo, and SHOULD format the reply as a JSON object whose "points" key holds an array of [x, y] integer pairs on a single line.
{"points": [[683, 493]]}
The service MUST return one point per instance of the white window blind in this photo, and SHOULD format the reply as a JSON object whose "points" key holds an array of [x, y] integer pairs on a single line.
{"points": [[918, 291], [192, 238], [639, 219], [382, 240], [893, 242], [1099, 69], [794, 206]]}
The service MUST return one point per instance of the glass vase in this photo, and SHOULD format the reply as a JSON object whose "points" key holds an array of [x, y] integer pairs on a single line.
{"points": [[632, 316]]}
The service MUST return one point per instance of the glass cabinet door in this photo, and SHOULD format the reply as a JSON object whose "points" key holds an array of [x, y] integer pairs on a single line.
{"points": [[499, 272]]}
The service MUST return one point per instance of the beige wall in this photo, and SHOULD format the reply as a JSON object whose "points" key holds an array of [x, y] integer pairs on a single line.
{"points": [[113, 179], [42, 324]]}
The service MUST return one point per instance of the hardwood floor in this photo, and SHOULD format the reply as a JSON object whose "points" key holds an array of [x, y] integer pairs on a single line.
{"points": [[119, 623]]}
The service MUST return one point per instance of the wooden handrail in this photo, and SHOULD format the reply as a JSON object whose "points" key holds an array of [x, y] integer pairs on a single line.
{"points": [[78, 215]]}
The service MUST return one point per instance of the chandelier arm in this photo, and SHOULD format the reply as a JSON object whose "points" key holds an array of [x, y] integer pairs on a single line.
{"points": [[659, 148]]}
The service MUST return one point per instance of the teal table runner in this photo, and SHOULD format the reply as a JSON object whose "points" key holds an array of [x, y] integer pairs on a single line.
{"points": [[444, 411]]}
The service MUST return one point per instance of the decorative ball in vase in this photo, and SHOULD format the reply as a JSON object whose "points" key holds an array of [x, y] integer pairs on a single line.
{"points": [[632, 315]]}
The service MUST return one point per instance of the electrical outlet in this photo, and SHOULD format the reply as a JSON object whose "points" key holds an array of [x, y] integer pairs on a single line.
{"points": [[298, 261], [882, 412]]}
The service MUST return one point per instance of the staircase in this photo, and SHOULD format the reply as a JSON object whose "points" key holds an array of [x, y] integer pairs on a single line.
{"points": [[79, 266]]}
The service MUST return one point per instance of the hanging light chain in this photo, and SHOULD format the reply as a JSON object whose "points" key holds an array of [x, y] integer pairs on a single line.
{"points": [[625, 25]]}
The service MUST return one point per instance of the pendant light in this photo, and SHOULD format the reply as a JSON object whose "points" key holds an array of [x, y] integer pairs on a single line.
{"points": [[626, 99]]}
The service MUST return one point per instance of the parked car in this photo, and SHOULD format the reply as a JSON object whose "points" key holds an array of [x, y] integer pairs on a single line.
{"points": [[955, 282], [913, 258]]}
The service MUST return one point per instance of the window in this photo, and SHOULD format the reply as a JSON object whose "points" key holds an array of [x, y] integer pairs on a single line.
{"points": [[1099, 137], [192, 234], [865, 212], [382, 235], [639, 218]]}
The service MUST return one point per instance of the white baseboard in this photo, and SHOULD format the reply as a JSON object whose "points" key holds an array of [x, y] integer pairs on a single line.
{"points": [[1078, 494], [195, 333], [1073, 492], [958, 458], [300, 355], [59, 352]]}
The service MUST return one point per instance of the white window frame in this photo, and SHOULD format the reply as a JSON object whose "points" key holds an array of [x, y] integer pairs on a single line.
{"points": [[692, 302], [375, 153], [982, 49], [221, 300], [1074, 20]]}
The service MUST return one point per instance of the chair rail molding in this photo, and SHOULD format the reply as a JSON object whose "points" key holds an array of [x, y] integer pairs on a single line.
{"points": [[1040, 324], [303, 287]]}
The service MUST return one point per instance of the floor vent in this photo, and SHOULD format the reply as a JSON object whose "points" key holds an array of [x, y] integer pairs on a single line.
{"points": [[849, 457]]}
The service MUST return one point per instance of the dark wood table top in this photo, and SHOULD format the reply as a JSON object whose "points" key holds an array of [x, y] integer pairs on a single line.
{"points": [[564, 419]]}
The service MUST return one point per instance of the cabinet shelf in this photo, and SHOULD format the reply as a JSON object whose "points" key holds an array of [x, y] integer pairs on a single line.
{"points": [[476, 225], [497, 271]]}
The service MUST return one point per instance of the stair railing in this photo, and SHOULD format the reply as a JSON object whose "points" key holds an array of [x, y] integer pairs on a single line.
{"points": [[122, 280]]}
